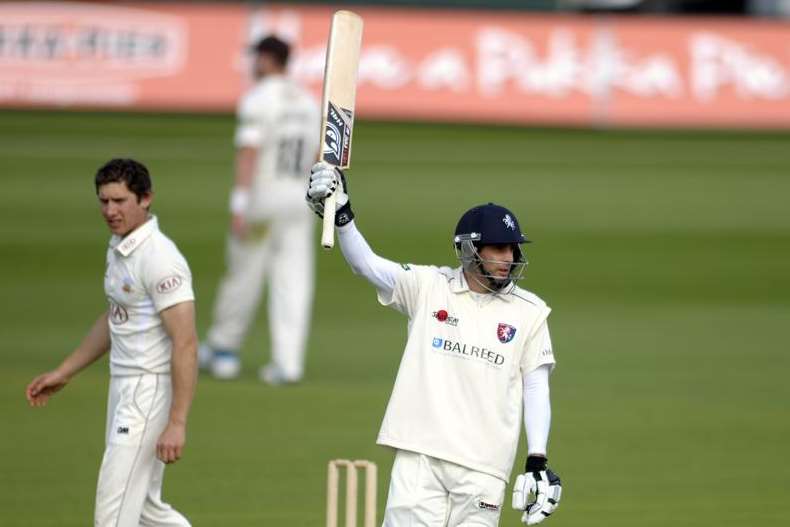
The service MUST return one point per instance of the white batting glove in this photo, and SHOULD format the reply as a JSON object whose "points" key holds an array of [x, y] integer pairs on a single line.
{"points": [[536, 492], [326, 180]]}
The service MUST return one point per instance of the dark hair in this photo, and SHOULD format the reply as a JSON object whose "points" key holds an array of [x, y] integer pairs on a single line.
{"points": [[128, 171], [275, 47]]}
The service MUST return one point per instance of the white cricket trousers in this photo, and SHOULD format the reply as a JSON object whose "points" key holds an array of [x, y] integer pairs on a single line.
{"points": [[282, 256], [129, 492], [428, 492]]}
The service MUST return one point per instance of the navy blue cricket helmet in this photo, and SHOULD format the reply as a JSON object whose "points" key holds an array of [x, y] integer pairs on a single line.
{"points": [[489, 224]]}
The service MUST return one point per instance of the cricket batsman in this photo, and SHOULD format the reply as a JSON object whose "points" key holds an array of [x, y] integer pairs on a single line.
{"points": [[149, 331], [477, 357]]}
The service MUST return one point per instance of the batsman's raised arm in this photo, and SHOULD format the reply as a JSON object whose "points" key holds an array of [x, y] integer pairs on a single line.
{"points": [[326, 180]]}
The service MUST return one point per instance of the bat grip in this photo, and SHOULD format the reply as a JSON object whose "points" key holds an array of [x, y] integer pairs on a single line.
{"points": [[328, 231]]}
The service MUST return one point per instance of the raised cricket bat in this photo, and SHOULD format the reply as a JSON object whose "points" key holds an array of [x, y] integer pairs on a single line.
{"points": [[340, 90]]}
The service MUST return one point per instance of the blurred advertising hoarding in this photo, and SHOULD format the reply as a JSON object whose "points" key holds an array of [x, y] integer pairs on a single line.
{"points": [[120, 55], [506, 67]]}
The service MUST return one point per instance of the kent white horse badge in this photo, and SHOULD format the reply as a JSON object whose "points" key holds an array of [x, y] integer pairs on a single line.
{"points": [[505, 332]]}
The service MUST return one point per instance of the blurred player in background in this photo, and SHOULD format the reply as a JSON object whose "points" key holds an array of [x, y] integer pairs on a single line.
{"points": [[271, 237], [478, 352], [149, 330]]}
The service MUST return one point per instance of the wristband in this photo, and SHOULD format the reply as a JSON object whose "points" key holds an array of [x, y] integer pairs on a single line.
{"points": [[536, 463], [239, 200], [344, 215]]}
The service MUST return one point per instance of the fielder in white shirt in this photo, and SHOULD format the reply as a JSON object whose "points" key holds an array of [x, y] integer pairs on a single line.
{"points": [[149, 331], [477, 358], [271, 238]]}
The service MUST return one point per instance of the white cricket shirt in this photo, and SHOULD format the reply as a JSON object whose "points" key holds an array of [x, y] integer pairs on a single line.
{"points": [[282, 120], [145, 275], [458, 393]]}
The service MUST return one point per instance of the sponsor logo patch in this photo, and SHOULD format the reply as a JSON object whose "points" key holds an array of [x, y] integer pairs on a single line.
{"points": [[169, 284], [444, 317], [460, 350], [406, 267], [487, 506], [123, 430], [505, 332], [118, 314]]}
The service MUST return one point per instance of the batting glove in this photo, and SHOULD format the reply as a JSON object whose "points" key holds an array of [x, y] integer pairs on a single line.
{"points": [[540, 484], [326, 180]]}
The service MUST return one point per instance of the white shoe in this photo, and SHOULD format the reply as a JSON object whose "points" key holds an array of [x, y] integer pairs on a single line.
{"points": [[272, 375], [225, 365]]}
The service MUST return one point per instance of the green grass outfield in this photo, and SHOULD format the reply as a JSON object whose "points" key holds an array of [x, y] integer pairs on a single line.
{"points": [[665, 256]]}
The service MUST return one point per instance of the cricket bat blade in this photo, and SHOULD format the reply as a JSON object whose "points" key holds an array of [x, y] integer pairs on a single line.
{"points": [[339, 96]]}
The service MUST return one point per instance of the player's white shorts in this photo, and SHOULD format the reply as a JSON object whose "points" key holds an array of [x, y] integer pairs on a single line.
{"points": [[425, 491], [130, 480]]}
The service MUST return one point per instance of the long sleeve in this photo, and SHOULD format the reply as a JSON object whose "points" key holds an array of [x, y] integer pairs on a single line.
{"points": [[380, 272], [537, 409]]}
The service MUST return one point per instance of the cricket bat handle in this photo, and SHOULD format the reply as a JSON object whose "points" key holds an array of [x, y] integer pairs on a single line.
{"points": [[328, 231]]}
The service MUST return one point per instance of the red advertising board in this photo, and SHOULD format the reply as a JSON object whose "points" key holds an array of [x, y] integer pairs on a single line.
{"points": [[447, 65]]}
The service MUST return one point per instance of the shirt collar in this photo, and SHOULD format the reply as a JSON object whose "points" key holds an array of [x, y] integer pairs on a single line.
{"points": [[126, 245], [460, 285]]}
